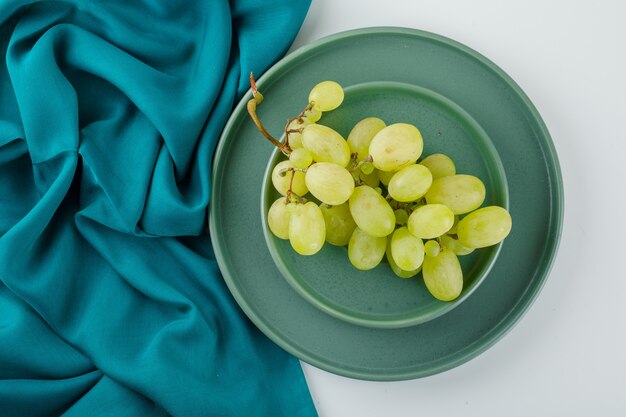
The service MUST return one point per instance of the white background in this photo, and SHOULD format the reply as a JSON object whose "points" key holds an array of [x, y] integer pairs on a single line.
{"points": [[567, 356]]}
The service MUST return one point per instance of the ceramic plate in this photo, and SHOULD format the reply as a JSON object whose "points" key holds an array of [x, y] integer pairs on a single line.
{"points": [[519, 137]]}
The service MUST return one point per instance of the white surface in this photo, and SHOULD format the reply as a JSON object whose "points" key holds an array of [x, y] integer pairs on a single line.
{"points": [[567, 356]]}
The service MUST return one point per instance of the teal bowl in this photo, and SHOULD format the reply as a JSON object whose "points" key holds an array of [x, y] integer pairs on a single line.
{"points": [[378, 298]]}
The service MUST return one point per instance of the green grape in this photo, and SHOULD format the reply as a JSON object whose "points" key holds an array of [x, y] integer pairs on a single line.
{"points": [[378, 190], [300, 158], [339, 224], [307, 229], [484, 227], [461, 193], [326, 96], [362, 134], [443, 275], [367, 168], [291, 207], [385, 176], [432, 248], [329, 183], [406, 249], [401, 216], [440, 165], [395, 268], [278, 218], [326, 145], [312, 115], [455, 246], [396, 146], [430, 221], [366, 251], [295, 138], [281, 182], [410, 183], [371, 212], [452, 230], [370, 179]]}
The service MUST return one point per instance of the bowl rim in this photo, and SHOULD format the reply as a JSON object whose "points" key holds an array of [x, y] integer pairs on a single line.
{"points": [[397, 320]]}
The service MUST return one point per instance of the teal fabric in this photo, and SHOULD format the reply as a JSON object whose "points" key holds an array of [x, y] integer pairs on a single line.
{"points": [[111, 302]]}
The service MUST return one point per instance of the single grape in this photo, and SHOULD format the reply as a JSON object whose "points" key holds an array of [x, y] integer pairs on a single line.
{"points": [[430, 221], [378, 190], [455, 246], [339, 224], [443, 275], [291, 207], [367, 168], [278, 218], [410, 183], [312, 115], [385, 176], [406, 249], [484, 227], [281, 182], [329, 183], [461, 193], [326, 145], [440, 165], [394, 267], [295, 138], [307, 229], [396, 146], [366, 251], [362, 134], [432, 248], [371, 212], [326, 96], [401, 216], [300, 158]]}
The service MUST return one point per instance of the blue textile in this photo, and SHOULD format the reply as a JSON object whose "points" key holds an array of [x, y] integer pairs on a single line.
{"points": [[111, 302]]}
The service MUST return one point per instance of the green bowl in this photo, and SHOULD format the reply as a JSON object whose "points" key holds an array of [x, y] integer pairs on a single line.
{"points": [[378, 298]]}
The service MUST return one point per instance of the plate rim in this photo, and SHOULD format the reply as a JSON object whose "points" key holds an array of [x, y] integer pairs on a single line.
{"points": [[515, 314]]}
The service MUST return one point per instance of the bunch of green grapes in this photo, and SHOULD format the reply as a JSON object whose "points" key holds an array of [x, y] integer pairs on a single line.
{"points": [[373, 194]]}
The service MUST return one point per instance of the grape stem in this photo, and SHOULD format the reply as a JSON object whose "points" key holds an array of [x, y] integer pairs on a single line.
{"points": [[299, 119], [256, 99]]}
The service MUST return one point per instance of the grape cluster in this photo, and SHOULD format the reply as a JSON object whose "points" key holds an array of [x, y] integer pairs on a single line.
{"points": [[377, 197]]}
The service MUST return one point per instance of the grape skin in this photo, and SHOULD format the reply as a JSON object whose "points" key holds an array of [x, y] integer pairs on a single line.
{"points": [[484, 227], [443, 275], [329, 183], [307, 229], [278, 218], [365, 251], [339, 224], [406, 249], [325, 144], [362, 134], [461, 193], [401, 273], [430, 221], [371, 212], [396, 146], [326, 96], [410, 183], [439, 165]]}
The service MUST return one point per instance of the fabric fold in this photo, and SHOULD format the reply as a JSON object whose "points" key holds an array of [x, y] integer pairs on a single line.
{"points": [[111, 301]]}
